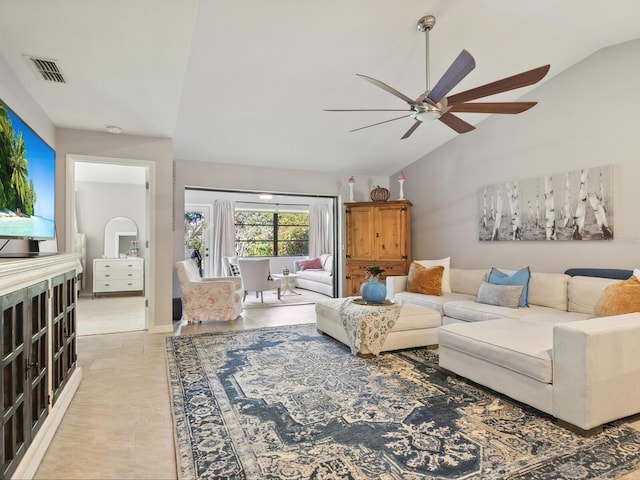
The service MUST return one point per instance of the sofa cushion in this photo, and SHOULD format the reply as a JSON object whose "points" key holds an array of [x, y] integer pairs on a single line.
{"points": [[502, 295], [584, 292], [445, 262], [415, 317], [470, 311], [319, 276], [549, 290], [519, 277], [522, 347], [434, 302], [555, 318], [425, 280], [467, 281], [619, 298]]}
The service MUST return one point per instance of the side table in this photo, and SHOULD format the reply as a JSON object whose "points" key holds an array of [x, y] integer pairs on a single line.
{"points": [[286, 287]]}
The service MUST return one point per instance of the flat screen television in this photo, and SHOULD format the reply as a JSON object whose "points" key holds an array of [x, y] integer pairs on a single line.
{"points": [[27, 181]]}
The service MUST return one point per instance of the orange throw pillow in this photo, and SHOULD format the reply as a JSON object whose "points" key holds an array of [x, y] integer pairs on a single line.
{"points": [[619, 298], [425, 280]]}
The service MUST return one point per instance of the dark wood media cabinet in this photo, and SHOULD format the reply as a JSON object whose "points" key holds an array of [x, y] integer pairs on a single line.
{"points": [[39, 373]]}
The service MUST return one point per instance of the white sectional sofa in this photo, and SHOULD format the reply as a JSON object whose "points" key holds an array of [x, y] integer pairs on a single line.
{"points": [[317, 280], [551, 355]]}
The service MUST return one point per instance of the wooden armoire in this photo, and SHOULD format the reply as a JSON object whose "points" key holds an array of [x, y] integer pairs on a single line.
{"points": [[378, 233]]}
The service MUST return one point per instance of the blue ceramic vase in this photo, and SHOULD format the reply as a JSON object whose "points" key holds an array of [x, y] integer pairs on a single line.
{"points": [[373, 291]]}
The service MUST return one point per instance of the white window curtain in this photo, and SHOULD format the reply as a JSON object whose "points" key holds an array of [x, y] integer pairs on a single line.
{"points": [[224, 238], [319, 232]]}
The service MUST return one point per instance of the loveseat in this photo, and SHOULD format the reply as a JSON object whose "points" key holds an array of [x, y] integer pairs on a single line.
{"points": [[315, 274], [553, 355]]}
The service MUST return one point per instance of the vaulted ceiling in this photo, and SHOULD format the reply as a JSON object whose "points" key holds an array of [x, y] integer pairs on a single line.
{"points": [[246, 81]]}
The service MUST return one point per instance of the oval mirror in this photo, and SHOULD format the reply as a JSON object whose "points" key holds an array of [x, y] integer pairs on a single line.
{"points": [[119, 233]]}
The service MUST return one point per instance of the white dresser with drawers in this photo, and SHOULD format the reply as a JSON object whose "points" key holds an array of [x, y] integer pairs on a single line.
{"points": [[118, 275]]}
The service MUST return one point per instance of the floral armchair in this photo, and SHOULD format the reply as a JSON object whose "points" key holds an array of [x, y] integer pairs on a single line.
{"points": [[208, 298]]}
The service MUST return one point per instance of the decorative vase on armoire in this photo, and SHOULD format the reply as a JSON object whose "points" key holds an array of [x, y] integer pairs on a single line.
{"points": [[373, 290]]}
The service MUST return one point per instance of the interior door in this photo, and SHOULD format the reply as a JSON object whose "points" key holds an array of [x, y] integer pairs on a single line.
{"points": [[197, 231]]}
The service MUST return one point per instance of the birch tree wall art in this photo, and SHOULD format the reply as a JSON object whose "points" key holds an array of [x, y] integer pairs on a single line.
{"points": [[575, 205]]}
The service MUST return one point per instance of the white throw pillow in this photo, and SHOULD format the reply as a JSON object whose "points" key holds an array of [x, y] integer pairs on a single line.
{"points": [[636, 273], [445, 262]]}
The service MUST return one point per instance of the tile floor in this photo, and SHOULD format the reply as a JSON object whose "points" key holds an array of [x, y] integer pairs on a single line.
{"points": [[109, 314], [119, 424]]}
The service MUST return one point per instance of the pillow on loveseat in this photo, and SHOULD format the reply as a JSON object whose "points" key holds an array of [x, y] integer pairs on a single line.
{"points": [[311, 264], [425, 280], [500, 295], [619, 298]]}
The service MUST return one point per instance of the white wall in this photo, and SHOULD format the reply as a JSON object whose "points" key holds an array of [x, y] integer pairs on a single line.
{"points": [[586, 117], [96, 204]]}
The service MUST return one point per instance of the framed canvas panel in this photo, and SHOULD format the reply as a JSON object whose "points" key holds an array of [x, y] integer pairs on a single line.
{"points": [[575, 205]]}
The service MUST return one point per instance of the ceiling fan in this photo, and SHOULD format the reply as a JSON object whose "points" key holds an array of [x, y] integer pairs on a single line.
{"points": [[434, 103]]}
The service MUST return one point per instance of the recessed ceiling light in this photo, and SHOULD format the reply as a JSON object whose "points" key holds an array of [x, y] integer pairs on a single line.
{"points": [[265, 196], [114, 129]]}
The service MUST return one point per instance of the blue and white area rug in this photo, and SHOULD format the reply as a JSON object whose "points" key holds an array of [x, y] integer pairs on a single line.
{"points": [[289, 403]]}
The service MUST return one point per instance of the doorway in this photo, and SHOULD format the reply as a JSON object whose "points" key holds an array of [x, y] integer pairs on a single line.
{"points": [[283, 202], [103, 190]]}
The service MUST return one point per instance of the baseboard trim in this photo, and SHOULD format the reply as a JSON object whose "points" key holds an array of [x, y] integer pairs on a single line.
{"points": [[35, 453], [161, 329]]}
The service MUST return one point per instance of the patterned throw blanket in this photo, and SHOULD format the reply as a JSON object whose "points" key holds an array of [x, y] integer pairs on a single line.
{"points": [[368, 325]]}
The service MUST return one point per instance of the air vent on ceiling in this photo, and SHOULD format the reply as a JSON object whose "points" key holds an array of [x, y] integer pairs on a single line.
{"points": [[48, 68]]}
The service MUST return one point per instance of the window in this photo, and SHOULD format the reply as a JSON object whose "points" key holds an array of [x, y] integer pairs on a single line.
{"points": [[268, 234]]}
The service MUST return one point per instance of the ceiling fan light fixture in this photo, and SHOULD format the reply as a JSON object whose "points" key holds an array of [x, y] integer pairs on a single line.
{"points": [[427, 116], [427, 112]]}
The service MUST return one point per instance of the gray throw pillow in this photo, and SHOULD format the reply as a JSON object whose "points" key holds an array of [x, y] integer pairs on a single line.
{"points": [[235, 270], [501, 295]]}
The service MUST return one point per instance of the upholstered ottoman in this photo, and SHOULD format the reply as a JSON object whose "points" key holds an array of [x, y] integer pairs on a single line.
{"points": [[416, 326]]}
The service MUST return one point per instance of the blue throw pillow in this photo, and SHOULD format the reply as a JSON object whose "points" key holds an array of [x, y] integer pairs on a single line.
{"points": [[521, 277]]}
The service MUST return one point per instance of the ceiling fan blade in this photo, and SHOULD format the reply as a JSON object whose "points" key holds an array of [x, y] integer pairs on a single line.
{"points": [[389, 89], [367, 110], [460, 68], [411, 130], [379, 123], [456, 123], [496, 107], [510, 83]]}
